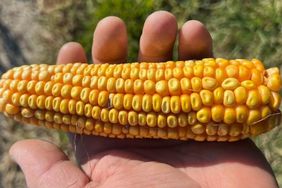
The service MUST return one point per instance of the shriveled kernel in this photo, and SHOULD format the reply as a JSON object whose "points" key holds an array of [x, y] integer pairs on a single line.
{"points": [[166, 105], [235, 130], [229, 98], [217, 113], [161, 120], [229, 116], [27, 113], [103, 98], [207, 97], [151, 120], [198, 129], [222, 129], [182, 120], [209, 83], [241, 95], [58, 118], [230, 84], [275, 100], [192, 118], [162, 88], [89, 124], [242, 113], [196, 102], [196, 83], [211, 129], [204, 115], [172, 121], [253, 99]]}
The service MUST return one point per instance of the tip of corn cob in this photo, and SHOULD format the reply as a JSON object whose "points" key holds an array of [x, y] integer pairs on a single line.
{"points": [[209, 99]]}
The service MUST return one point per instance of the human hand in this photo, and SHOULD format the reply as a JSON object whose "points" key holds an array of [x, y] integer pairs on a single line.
{"points": [[137, 163]]}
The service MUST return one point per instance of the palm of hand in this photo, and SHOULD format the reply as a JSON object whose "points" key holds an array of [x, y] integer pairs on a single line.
{"points": [[143, 163]]}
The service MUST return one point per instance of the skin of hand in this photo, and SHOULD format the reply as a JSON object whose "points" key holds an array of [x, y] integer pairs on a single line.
{"points": [[107, 163]]}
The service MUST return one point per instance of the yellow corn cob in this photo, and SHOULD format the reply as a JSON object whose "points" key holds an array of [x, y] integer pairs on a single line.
{"points": [[209, 99]]}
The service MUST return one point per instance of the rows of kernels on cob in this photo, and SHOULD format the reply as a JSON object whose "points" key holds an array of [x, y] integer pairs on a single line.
{"points": [[209, 99]]}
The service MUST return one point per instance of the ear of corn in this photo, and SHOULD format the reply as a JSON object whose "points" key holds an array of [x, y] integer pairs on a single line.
{"points": [[209, 99]]}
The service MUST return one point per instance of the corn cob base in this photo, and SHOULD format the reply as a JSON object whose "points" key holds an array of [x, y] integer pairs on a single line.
{"points": [[211, 99]]}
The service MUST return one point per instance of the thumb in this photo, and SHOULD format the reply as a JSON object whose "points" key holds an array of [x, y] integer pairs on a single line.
{"points": [[45, 165]]}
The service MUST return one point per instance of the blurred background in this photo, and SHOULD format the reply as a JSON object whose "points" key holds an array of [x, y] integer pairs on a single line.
{"points": [[32, 31]]}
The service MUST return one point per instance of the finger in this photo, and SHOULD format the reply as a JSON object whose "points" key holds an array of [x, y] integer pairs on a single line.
{"points": [[195, 42], [158, 37], [45, 165], [110, 41], [71, 52]]}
